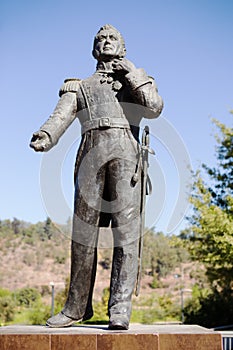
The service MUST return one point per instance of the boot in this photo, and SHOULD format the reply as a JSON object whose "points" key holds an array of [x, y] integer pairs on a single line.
{"points": [[123, 278], [60, 320]]}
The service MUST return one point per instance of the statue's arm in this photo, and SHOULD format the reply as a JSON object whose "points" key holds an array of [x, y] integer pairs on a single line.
{"points": [[63, 115], [144, 92], [142, 88]]}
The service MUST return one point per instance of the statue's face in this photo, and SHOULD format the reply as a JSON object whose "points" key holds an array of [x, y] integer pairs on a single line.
{"points": [[108, 45]]}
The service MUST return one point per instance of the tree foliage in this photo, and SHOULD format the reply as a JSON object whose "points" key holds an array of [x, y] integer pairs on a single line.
{"points": [[161, 254], [210, 235], [16, 226], [27, 296], [211, 232], [7, 306], [210, 308], [48, 228]]}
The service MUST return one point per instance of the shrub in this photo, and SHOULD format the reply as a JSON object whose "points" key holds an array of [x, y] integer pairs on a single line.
{"points": [[7, 306], [27, 296]]}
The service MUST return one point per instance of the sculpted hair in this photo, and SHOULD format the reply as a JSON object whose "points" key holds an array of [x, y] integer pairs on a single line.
{"points": [[110, 27]]}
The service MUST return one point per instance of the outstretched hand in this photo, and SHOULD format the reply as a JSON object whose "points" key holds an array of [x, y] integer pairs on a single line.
{"points": [[40, 141]]}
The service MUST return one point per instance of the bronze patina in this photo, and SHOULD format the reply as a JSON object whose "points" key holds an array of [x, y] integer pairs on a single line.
{"points": [[108, 182]]}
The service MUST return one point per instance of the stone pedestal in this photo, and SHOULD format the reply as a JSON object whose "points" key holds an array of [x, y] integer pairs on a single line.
{"points": [[93, 337]]}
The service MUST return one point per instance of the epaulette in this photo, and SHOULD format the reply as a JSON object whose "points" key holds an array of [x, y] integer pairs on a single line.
{"points": [[70, 85], [152, 79]]}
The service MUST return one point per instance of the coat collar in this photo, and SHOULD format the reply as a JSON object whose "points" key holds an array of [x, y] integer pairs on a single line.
{"points": [[104, 67]]}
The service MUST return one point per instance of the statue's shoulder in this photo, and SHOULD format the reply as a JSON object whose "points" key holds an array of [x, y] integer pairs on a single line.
{"points": [[70, 85], [152, 80]]}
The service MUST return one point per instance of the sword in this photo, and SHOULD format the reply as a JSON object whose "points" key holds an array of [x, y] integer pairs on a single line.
{"points": [[145, 190]]}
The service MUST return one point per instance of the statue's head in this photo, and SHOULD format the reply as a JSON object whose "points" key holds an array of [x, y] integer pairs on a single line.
{"points": [[108, 44]]}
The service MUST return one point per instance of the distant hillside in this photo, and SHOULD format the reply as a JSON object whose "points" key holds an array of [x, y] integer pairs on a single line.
{"points": [[33, 255]]}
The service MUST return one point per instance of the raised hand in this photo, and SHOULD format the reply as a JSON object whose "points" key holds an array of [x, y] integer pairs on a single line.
{"points": [[122, 66]]}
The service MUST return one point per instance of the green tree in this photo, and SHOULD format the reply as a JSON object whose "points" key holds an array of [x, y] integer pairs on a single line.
{"points": [[160, 254], [48, 228], [16, 226], [211, 232], [210, 235]]}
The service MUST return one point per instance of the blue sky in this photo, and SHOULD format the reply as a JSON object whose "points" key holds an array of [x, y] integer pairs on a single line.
{"points": [[185, 45]]}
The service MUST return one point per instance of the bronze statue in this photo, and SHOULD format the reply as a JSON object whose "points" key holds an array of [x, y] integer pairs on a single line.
{"points": [[107, 173]]}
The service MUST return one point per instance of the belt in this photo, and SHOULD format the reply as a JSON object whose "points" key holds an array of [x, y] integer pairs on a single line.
{"points": [[103, 123]]}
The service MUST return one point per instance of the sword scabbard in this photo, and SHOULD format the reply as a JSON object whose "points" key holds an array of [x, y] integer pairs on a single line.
{"points": [[145, 150]]}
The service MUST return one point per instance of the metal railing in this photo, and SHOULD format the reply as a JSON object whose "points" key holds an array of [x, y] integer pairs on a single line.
{"points": [[227, 340]]}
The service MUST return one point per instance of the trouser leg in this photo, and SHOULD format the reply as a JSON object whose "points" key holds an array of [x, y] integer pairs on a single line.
{"points": [[82, 279], [84, 250], [125, 227], [124, 273]]}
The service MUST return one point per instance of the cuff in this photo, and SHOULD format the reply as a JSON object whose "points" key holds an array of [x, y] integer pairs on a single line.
{"points": [[52, 139], [137, 78]]}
